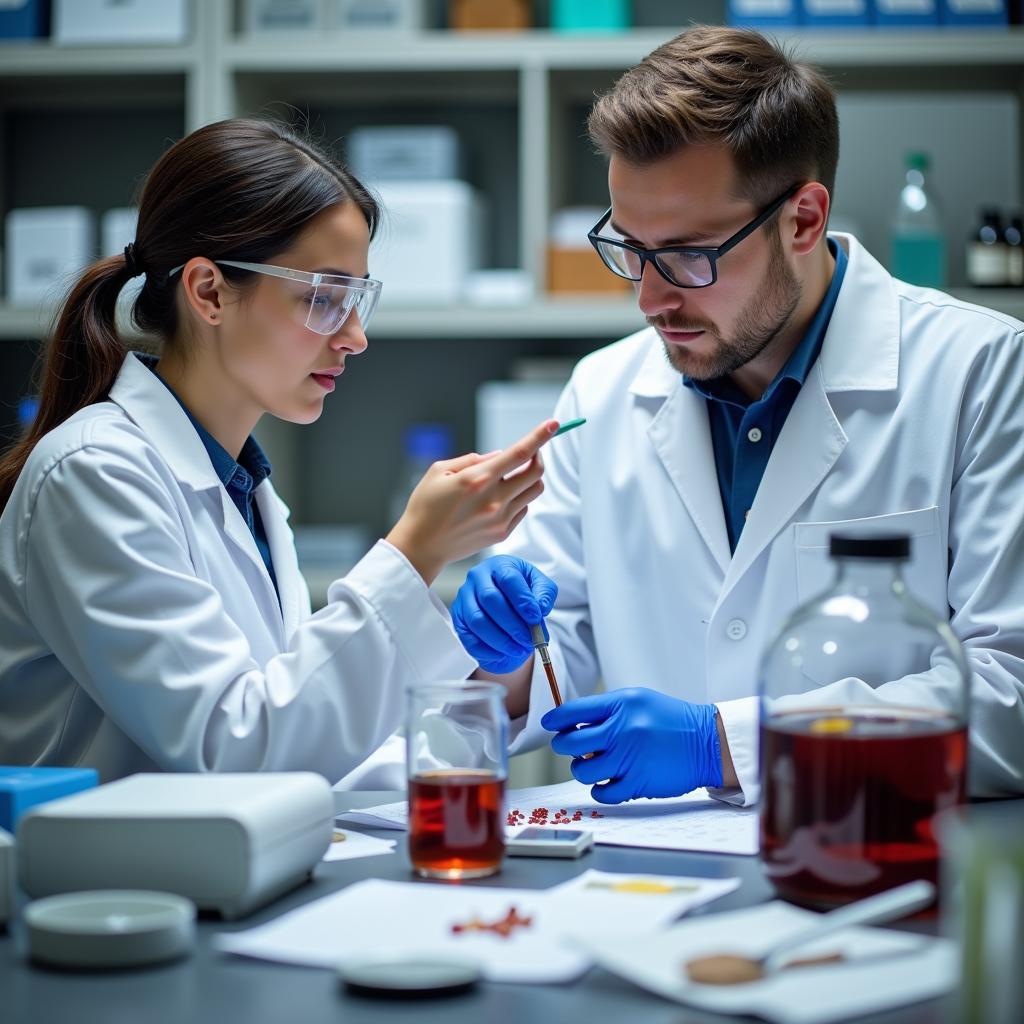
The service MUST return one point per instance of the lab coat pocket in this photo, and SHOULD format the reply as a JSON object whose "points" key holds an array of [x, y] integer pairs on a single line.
{"points": [[925, 574]]}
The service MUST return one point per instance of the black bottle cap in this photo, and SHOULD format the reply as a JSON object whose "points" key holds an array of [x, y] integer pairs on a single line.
{"points": [[890, 546]]}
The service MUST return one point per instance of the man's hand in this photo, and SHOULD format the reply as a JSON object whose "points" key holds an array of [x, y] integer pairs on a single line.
{"points": [[644, 742], [494, 609]]}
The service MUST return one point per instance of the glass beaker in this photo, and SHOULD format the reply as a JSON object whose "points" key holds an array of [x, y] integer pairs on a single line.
{"points": [[457, 743], [859, 752]]}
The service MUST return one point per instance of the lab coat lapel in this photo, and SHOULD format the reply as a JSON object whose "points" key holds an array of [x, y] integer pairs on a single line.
{"points": [[681, 437], [808, 446], [236, 530], [282, 554], [860, 352]]}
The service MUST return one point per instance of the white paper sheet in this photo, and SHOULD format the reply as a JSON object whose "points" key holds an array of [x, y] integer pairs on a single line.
{"points": [[883, 968], [387, 919], [356, 845], [692, 822]]}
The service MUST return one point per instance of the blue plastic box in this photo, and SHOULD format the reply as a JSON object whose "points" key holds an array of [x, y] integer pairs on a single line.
{"points": [[905, 13], [22, 788], [26, 19], [968, 13], [590, 15], [834, 13], [764, 13]]}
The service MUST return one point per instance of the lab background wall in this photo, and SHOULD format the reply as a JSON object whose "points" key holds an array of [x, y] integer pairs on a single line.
{"points": [[80, 126]]}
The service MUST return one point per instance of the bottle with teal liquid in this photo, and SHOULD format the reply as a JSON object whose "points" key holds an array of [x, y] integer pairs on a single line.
{"points": [[918, 254]]}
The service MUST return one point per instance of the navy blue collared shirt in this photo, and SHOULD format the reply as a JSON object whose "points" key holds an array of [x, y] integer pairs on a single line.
{"points": [[744, 431], [240, 477]]}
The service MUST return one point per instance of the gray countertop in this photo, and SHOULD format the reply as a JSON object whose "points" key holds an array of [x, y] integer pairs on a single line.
{"points": [[216, 988]]}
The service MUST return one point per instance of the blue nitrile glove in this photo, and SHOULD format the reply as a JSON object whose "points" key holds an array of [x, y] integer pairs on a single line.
{"points": [[494, 609], [646, 743]]}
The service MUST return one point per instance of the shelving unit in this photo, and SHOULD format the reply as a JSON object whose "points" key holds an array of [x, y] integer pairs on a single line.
{"points": [[519, 101]]}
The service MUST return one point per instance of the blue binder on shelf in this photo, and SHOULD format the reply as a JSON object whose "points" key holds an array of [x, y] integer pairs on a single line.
{"points": [[764, 13], [24, 19], [905, 13], [969, 13], [835, 13]]}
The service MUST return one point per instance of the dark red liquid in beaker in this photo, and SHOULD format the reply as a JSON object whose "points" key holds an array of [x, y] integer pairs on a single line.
{"points": [[456, 823], [849, 796]]}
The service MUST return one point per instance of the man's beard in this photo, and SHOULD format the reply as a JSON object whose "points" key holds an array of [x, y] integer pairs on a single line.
{"points": [[756, 328]]}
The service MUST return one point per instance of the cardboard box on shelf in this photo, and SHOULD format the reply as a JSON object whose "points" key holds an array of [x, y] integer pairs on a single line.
{"points": [[474, 15], [576, 271]]}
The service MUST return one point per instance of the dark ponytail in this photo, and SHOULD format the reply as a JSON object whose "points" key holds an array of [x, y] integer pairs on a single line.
{"points": [[242, 189]]}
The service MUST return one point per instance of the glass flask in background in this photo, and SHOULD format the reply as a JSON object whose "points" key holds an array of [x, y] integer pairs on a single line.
{"points": [[918, 254], [858, 754], [457, 753]]}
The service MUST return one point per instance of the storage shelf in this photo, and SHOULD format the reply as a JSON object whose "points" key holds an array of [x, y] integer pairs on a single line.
{"points": [[597, 317], [35, 59], [455, 51]]}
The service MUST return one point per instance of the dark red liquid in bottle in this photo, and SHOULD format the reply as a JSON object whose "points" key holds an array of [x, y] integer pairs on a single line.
{"points": [[456, 823], [849, 796]]}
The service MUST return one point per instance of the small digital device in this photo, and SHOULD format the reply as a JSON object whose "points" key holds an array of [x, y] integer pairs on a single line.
{"points": [[549, 842]]}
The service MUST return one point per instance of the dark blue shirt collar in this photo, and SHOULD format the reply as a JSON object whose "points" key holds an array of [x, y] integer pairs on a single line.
{"points": [[799, 364], [247, 472]]}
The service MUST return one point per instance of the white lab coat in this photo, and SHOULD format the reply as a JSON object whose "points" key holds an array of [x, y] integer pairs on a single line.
{"points": [[140, 630], [911, 420]]}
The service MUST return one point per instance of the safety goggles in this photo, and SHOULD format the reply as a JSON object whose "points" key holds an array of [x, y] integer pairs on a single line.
{"points": [[327, 300], [681, 265]]}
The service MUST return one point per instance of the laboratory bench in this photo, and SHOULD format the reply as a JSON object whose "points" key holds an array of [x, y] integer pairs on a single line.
{"points": [[210, 986]]}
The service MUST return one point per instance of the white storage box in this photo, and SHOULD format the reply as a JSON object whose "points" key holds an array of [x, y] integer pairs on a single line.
{"points": [[506, 410], [46, 247], [429, 241], [119, 22], [377, 15], [421, 153], [284, 15], [230, 842], [117, 229]]}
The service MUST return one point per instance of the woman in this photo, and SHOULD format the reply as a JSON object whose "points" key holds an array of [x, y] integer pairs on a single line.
{"points": [[152, 615]]}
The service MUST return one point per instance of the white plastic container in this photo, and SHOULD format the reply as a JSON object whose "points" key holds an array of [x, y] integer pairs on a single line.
{"points": [[271, 16], [46, 246], [230, 842], [505, 410], [429, 242], [376, 15], [120, 22], [413, 153]]}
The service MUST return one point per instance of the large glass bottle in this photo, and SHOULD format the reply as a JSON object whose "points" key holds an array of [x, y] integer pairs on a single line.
{"points": [[863, 732]]}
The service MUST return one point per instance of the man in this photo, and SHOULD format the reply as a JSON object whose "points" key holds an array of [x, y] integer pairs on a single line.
{"points": [[787, 387]]}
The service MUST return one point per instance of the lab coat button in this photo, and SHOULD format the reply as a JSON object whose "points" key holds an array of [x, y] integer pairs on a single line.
{"points": [[754, 435], [736, 629]]}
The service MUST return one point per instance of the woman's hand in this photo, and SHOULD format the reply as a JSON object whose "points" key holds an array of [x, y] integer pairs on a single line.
{"points": [[466, 504]]}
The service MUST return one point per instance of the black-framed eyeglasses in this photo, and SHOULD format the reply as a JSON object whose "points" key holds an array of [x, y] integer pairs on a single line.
{"points": [[684, 266]]}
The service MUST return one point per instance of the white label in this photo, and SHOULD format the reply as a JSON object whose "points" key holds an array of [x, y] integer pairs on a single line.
{"points": [[906, 6], [977, 6], [849, 7], [986, 264], [754, 8]]}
